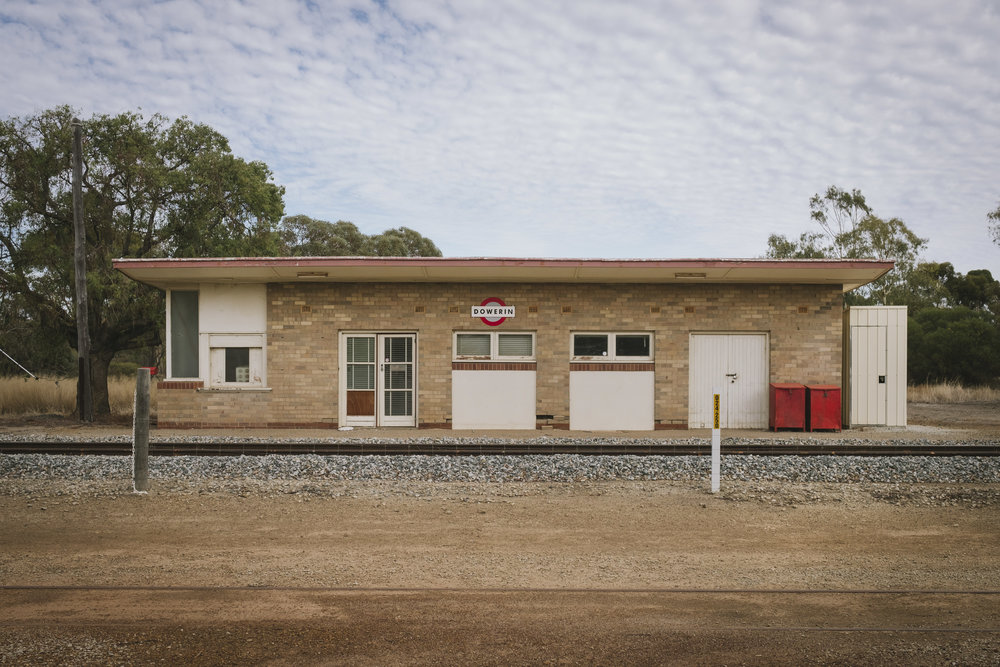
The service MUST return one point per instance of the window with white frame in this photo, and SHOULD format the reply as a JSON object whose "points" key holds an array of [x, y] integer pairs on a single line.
{"points": [[494, 346], [601, 346], [237, 360], [182, 322]]}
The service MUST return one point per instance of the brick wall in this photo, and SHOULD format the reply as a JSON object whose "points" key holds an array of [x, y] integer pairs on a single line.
{"points": [[304, 320]]}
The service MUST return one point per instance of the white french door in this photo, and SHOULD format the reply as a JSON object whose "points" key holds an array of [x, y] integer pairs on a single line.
{"points": [[378, 379]]}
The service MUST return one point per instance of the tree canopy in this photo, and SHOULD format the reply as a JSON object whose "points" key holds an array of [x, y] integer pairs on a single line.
{"points": [[851, 230], [151, 188], [953, 332], [953, 344], [303, 236], [993, 223]]}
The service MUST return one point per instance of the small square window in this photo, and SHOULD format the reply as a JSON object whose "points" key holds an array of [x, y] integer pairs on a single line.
{"points": [[472, 345], [632, 345], [237, 364], [494, 346], [590, 345], [236, 360], [515, 345], [612, 346]]}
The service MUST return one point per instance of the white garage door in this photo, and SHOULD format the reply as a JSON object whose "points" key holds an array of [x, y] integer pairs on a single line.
{"points": [[736, 365]]}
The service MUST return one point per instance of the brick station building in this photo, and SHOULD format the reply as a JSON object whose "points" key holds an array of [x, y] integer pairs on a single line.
{"points": [[493, 343]]}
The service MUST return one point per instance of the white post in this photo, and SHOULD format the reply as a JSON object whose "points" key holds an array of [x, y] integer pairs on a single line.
{"points": [[716, 442]]}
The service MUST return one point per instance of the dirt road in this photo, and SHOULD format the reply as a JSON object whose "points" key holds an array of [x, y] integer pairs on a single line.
{"points": [[380, 573], [609, 573]]}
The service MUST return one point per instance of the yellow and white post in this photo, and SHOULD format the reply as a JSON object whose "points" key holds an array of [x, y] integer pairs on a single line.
{"points": [[716, 442]]}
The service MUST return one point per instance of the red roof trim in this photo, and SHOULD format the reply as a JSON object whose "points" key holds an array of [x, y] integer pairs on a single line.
{"points": [[500, 261]]}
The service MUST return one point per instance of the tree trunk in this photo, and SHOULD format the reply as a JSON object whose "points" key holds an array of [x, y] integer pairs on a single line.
{"points": [[100, 362]]}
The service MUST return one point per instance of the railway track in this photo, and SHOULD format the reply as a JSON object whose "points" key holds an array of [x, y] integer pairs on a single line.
{"points": [[666, 448]]}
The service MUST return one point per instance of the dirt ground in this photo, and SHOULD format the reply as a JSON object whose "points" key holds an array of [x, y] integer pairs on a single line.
{"points": [[505, 573]]}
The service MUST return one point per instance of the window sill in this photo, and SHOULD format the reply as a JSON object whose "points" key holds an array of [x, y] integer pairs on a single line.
{"points": [[234, 390], [611, 360]]}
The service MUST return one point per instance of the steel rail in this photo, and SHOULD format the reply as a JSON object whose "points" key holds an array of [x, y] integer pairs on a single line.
{"points": [[493, 590], [334, 447]]}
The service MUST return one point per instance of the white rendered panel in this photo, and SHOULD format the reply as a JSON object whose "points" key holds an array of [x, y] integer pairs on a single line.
{"points": [[493, 399], [232, 308], [611, 400]]}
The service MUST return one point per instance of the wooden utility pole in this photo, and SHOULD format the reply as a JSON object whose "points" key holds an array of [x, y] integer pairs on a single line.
{"points": [[84, 390]]}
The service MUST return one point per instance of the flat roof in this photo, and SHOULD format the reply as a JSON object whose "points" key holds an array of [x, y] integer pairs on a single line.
{"points": [[168, 273]]}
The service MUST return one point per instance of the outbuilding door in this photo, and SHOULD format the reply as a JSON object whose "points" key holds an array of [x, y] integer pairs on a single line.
{"points": [[869, 370], [735, 365], [377, 379]]}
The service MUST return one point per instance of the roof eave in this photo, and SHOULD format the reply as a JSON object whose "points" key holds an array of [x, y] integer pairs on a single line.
{"points": [[164, 273]]}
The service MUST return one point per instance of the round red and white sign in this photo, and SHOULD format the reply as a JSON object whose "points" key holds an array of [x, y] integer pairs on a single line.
{"points": [[493, 311]]}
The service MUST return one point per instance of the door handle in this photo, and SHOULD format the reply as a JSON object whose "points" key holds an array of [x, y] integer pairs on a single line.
{"points": [[732, 377]]}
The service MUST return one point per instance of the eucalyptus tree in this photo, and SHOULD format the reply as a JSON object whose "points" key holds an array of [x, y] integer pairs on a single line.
{"points": [[152, 187], [303, 236], [849, 229]]}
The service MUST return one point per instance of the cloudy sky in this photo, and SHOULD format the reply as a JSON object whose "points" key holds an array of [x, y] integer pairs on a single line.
{"points": [[560, 128]]}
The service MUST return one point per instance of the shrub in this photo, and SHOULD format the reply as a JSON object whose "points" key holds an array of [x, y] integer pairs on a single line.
{"points": [[953, 344]]}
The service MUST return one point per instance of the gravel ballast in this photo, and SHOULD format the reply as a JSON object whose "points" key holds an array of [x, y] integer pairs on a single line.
{"points": [[506, 468]]}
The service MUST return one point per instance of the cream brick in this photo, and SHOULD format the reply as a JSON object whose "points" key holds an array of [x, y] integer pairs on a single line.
{"points": [[302, 349]]}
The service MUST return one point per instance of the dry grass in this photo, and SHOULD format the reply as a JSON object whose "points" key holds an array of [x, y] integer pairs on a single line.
{"points": [[47, 396], [58, 396], [951, 392]]}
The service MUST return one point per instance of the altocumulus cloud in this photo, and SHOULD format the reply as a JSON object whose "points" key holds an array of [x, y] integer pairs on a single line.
{"points": [[564, 128]]}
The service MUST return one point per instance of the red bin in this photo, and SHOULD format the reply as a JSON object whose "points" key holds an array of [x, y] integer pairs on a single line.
{"points": [[788, 406], [823, 407]]}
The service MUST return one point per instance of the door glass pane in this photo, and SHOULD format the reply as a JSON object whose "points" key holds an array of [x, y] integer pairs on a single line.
{"points": [[398, 376], [361, 349], [472, 345], [398, 403], [398, 349], [515, 345], [183, 334], [360, 376], [629, 345], [361, 362], [590, 345]]}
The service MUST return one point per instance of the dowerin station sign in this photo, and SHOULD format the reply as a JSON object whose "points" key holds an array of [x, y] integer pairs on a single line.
{"points": [[493, 311]]}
